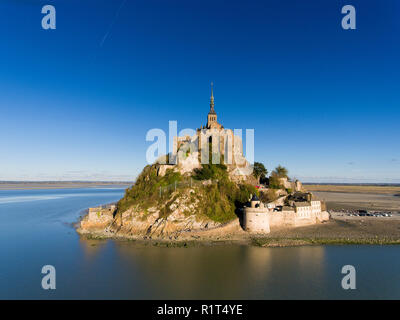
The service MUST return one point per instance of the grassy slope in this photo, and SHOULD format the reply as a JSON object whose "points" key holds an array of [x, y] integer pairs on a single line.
{"points": [[218, 201]]}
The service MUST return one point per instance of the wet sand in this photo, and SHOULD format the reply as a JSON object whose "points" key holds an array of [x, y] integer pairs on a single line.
{"points": [[340, 229]]}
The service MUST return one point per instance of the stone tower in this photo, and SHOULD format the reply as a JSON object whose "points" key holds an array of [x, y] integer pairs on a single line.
{"points": [[212, 115], [256, 217]]}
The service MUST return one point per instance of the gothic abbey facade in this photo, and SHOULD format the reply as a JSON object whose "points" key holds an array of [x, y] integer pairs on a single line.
{"points": [[213, 143]]}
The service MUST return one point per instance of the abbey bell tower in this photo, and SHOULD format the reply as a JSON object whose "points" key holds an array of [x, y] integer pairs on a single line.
{"points": [[212, 115]]}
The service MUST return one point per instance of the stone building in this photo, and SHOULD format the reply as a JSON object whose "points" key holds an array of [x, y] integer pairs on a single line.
{"points": [[293, 185], [212, 122], [223, 141], [256, 217], [189, 152], [98, 217], [316, 207], [303, 209]]}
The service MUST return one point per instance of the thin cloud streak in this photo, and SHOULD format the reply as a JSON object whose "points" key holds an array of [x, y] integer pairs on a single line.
{"points": [[112, 24]]}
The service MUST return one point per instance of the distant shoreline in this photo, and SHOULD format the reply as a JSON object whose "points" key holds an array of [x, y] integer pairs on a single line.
{"points": [[39, 185]]}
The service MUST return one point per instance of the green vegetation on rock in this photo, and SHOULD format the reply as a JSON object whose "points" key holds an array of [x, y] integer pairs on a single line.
{"points": [[280, 172], [216, 196], [274, 179], [145, 192]]}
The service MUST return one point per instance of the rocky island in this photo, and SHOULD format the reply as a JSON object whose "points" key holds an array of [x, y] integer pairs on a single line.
{"points": [[206, 190]]}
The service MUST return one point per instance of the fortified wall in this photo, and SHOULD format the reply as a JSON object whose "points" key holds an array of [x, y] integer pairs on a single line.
{"points": [[98, 217], [259, 219]]}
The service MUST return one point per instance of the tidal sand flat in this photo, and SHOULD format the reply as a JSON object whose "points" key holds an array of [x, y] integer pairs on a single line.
{"points": [[374, 189], [353, 197]]}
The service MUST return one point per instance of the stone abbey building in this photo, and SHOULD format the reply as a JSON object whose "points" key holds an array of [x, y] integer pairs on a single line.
{"points": [[211, 143]]}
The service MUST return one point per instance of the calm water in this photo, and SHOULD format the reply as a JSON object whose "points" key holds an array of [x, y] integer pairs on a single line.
{"points": [[35, 230]]}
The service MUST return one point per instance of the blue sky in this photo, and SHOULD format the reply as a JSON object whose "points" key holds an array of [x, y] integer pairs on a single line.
{"points": [[77, 102]]}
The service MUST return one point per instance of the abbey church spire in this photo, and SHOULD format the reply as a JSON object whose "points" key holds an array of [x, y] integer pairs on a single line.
{"points": [[212, 100], [212, 115]]}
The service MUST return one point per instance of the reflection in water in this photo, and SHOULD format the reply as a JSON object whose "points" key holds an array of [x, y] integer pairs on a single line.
{"points": [[222, 272], [91, 247], [202, 272], [226, 272]]}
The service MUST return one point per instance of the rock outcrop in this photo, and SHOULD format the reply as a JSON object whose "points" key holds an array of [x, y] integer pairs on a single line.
{"points": [[151, 223]]}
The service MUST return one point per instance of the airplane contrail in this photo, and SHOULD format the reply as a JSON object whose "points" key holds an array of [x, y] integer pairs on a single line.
{"points": [[112, 23]]}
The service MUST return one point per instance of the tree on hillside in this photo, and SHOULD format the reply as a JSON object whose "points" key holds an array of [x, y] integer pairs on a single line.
{"points": [[259, 171], [274, 182], [280, 172]]}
